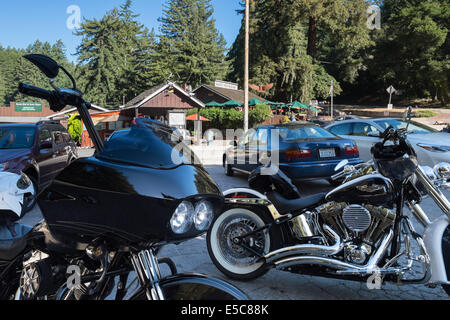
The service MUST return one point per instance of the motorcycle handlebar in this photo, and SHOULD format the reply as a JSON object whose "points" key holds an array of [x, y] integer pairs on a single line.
{"points": [[36, 92]]}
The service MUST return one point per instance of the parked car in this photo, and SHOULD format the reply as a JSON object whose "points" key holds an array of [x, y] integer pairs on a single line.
{"points": [[305, 150], [432, 147], [40, 150], [345, 117]]}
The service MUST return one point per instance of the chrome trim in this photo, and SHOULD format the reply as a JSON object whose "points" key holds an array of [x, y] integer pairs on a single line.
{"points": [[147, 268], [241, 171], [245, 190], [357, 181], [418, 212], [344, 267], [307, 248], [433, 191]]}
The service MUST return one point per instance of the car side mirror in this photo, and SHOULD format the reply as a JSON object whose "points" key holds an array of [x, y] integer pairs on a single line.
{"points": [[374, 134], [46, 145]]}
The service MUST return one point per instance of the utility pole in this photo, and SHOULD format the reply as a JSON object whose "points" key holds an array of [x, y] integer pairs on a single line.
{"points": [[246, 76], [332, 99]]}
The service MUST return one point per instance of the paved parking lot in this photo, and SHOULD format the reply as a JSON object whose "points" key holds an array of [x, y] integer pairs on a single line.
{"points": [[192, 256]]}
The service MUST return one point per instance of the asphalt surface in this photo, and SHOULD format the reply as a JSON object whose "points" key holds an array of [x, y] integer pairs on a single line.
{"points": [[192, 256]]}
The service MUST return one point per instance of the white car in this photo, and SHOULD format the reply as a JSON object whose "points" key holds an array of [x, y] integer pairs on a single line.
{"points": [[432, 147]]}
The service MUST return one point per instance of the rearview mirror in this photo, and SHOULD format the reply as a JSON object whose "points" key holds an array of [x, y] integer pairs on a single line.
{"points": [[47, 65]]}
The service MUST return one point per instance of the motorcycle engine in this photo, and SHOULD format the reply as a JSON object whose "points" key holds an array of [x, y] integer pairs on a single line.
{"points": [[40, 277], [360, 226]]}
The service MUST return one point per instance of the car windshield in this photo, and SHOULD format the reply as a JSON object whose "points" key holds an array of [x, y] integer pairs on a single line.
{"points": [[16, 138], [414, 127], [305, 133]]}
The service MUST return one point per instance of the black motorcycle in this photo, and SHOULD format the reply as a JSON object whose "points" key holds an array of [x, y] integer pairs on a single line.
{"points": [[106, 217], [358, 231]]}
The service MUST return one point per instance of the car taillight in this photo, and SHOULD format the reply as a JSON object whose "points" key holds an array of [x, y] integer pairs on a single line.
{"points": [[352, 150], [298, 154]]}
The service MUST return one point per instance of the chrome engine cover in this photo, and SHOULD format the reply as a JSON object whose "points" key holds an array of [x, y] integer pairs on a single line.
{"points": [[356, 218]]}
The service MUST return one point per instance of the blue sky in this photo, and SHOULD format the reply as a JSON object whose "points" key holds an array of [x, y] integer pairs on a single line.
{"points": [[22, 22]]}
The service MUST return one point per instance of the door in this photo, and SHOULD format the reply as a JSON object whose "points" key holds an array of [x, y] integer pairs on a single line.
{"points": [[245, 151], [60, 154], [360, 135], [45, 157]]}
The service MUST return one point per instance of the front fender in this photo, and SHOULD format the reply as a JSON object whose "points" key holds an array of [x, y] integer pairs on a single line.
{"points": [[437, 242], [195, 287]]}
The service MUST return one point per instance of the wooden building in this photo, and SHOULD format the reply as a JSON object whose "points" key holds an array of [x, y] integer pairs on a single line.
{"points": [[222, 92]]}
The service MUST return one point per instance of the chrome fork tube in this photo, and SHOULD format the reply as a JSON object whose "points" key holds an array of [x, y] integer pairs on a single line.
{"points": [[417, 210], [147, 268], [434, 192]]}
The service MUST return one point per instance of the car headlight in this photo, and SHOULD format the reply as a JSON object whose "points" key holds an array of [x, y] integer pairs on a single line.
{"points": [[204, 215], [434, 148], [183, 218], [24, 182]]}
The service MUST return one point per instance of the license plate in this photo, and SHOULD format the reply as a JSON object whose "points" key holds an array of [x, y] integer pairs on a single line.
{"points": [[327, 153]]}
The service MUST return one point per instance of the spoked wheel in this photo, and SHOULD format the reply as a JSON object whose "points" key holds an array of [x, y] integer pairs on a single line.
{"points": [[233, 257]]}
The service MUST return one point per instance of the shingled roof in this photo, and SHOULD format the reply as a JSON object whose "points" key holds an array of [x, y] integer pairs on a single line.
{"points": [[231, 94], [144, 95]]}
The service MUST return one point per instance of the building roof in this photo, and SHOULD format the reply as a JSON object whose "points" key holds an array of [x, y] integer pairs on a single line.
{"points": [[154, 91], [230, 94]]}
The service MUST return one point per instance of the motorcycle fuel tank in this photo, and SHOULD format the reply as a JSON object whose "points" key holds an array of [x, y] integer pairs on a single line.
{"points": [[130, 190], [372, 189]]}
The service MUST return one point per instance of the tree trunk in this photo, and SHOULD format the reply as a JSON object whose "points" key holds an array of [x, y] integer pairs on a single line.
{"points": [[312, 37]]}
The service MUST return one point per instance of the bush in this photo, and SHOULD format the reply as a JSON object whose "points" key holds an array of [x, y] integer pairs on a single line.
{"points": [[425, 114], [223, 119], [74, 128]]}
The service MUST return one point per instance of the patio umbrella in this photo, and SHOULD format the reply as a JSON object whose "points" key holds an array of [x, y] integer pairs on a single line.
{"points": [[253, 102], [213, 104], [232, 103], [194, 117]]}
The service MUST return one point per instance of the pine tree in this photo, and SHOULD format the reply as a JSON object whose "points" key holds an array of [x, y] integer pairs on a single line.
{"points": [[190, 46], [290, 41]]}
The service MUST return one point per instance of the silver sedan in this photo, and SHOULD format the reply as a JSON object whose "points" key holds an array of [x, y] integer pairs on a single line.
{"points": [[432, 147]]}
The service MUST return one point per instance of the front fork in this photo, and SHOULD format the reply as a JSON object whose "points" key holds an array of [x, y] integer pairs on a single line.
{"points": [[146, 265]]}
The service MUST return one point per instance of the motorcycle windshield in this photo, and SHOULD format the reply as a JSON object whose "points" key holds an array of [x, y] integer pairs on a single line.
{"points": [[150, 144]]}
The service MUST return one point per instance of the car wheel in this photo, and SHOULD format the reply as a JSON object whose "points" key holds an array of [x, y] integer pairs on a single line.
{"points": [[30, 201], [227, 167]]}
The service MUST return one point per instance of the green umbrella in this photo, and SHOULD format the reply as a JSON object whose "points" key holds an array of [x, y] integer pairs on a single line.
{"points": [[232, 103], [314, 109], [213, 104], [253, 102], [297, 104]]}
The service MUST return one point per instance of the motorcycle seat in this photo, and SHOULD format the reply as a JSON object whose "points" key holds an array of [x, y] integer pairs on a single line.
{"points": [[11, 246], [285, 206]]}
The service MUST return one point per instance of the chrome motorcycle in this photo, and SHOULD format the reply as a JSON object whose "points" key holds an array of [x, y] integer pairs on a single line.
{"points": [[356, 232], [106, 217]]}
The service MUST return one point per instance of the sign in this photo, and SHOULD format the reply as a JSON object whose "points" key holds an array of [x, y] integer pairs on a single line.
{"points": [[226, 85], [177, 119], [391, 90], [28, 107]]}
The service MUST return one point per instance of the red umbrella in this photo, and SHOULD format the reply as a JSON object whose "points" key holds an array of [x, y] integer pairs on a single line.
{"points": [[194, 117]]}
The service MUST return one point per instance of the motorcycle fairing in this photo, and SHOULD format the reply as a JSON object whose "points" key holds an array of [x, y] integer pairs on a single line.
{"points": [[436, 239]]}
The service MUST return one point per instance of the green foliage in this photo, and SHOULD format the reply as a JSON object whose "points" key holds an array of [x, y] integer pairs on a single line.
{"points": [[191, 50], [114, 52], [74, 128], [425, 114], [231, 118], [302, 45]]}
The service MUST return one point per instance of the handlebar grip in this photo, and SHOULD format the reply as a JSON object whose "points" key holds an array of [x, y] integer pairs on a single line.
{"points": [[36, 92]]}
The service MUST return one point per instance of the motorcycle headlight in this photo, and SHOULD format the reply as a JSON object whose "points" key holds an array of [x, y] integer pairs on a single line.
{"points": [[204, 215], [183, 218]]}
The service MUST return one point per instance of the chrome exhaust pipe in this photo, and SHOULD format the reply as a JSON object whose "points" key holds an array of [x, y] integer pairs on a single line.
{"points": [[341, 266], [308, 248]]}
